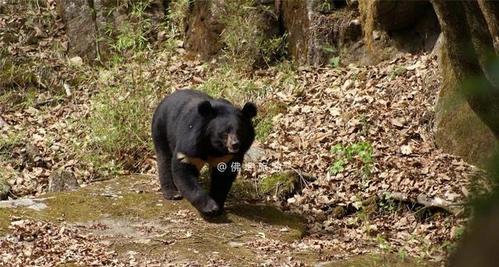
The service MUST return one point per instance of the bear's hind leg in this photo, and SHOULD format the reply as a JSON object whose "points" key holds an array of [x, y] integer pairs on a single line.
{"points": [[168, 187]]}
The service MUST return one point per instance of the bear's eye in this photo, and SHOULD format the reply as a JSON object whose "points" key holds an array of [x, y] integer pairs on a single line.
{"points": [[223, 135]]}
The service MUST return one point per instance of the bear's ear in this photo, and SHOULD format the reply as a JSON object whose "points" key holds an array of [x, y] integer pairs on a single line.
{"points": [[249, 110], [205, 109]]}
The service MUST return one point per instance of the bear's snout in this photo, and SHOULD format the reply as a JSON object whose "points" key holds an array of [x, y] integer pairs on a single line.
{"points": [[233, 143]]}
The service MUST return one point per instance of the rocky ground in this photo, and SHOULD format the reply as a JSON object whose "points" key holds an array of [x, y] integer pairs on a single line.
{"points": [[371, 180], [126, 222]]}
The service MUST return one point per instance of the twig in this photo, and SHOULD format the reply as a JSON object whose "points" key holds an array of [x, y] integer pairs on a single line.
{"points": [[421, 199]]}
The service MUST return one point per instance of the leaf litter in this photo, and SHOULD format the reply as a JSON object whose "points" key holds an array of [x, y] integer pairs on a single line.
{"points": [[393, 112]]}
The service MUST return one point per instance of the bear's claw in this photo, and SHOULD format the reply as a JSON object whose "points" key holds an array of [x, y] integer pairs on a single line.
{"points": [[172, 195], [210, 209]]}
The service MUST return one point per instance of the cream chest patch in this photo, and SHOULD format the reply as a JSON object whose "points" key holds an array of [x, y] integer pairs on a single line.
{"points": [[199, 163]]}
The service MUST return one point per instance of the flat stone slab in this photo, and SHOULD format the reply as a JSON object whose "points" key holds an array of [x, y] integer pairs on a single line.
{"points": [[34, 204]]}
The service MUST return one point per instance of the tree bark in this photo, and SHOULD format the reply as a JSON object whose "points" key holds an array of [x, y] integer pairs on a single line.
{"points": [[490, 11], [462, 25]]}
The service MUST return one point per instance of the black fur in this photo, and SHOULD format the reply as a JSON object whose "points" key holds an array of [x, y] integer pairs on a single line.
{"points": [[196, 125]]}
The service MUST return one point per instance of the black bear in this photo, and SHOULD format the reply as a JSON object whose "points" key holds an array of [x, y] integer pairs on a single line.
{"points": [[189, 129]]}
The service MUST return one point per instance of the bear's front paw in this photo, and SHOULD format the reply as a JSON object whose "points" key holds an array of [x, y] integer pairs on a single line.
{"points": [[210, 208], [172, 194]]}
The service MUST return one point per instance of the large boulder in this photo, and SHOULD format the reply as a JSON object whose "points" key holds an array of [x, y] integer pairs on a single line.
{"points": [[490, 12], [319, 30], [458, 130], [91, 26], [62, 180], [394, 26], [203, 29], [241, 29], [81, 30], [316, 31], [467, 110]]}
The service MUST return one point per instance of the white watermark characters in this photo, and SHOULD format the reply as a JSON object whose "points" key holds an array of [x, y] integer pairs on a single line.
{"points": [[251, 167], [235, 166], [222, 166]]}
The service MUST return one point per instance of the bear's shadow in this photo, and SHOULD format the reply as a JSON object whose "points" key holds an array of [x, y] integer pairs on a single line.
{"points": [[261, 214]]}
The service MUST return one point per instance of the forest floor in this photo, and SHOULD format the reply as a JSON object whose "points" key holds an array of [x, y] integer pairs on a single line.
{"points": [[366, 176], [126, 222]]}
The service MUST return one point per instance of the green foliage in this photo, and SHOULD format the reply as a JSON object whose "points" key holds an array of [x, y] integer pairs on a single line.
{"points": [[263, 123], [130, 39], [8, 141], [383, 244], [334, 62], [263, 128], [245, 35], [388, 204], [231, 84], [133, 34], [177, 12], [14, 75], [325, 6], [360, 153], [274, 48], [119, 123]]}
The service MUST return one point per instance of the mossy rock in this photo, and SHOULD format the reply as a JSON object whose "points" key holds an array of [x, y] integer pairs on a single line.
{"points": [[281, 184]]}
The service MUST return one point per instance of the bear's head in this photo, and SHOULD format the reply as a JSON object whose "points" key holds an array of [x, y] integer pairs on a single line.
{"points": [[228, 130]]}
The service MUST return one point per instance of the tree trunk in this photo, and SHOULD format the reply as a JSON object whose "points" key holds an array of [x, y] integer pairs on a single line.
{"points": [[467, 43]]}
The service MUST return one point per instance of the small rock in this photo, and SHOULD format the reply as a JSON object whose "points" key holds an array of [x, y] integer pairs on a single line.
{"points": [[235, 244], [338, 212], [254, 154], [32, 153], [3, 123], [4, 189], [76, 61], [355, 22], [347, 85], [406, 150], [284, 229], [62, 180], [34, 204], [353, 3], [67, 88]]}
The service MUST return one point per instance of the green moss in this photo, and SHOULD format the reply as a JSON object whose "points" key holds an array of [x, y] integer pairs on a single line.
{"points": [[90, 204], [397, 71], [4, 220], [94, 205], [280, 184], [243, 189], [380, 260]]}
